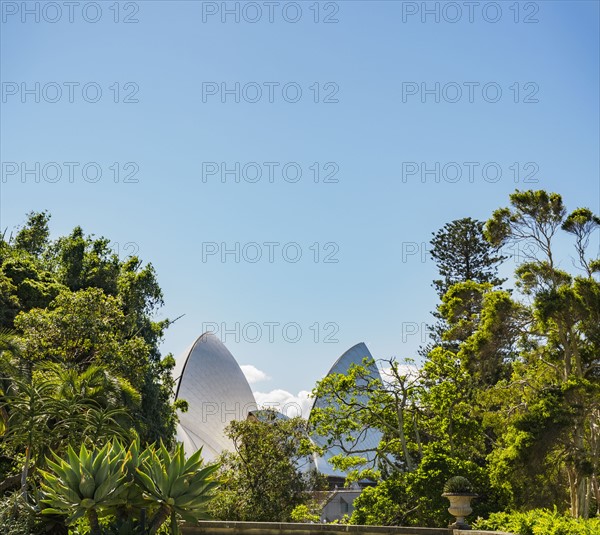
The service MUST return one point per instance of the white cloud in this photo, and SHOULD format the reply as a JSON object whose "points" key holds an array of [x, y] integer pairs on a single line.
{"points": [[411, 371], [289, 404], [253, 374]]}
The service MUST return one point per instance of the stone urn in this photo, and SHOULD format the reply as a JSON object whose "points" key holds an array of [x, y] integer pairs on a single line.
{"points": [[459, 492], [460, 507]]}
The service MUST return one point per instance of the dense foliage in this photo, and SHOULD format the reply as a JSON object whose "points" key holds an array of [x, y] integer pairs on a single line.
{"points": [[461, 254], [128, 486], [267, 475], [415, 498], [508, 394], [539, 522], [72, 301], [79, 356]]}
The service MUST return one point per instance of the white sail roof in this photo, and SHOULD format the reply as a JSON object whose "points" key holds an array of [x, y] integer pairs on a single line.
{"points": [[368, 438], [211, 381]]}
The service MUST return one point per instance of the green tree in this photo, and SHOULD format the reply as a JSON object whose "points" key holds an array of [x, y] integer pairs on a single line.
{"points": [[36, 271], [31, 409], [428, 416], [551, 402], [35, 234], [452, 376], [415, 498], [24, 284], [462, 254], [266, 476], [83, 328], [454, 372], [357, 401], [429, 433], [87, 328], [58, 407], [83, 321]]}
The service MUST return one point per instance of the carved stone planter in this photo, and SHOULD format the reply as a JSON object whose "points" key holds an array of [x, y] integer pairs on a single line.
{"points": [[460, 507]]}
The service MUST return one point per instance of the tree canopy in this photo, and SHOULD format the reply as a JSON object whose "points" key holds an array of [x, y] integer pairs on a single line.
{"points": [[269, 472], [80, 360], [508, 392]]}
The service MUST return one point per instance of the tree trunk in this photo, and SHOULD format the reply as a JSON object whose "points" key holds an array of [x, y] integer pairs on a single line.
{"points": [[417, 434], [25, 472], [582, 480], [174, 524], [596, 492], [566, 353], [451, 431], [409, 462], [579, 491], [582, 498], [159, 518], [92, 516], [573, 490]]}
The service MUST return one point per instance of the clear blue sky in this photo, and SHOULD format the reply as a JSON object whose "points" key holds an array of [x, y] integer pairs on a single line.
{"points": [[373, 220]]}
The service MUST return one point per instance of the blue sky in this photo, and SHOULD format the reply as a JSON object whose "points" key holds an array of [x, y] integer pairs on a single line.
{"points": [[372, 131]]}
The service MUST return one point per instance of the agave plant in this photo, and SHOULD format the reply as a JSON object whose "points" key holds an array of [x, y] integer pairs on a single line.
{"points": [[181, 488], [84, 484], [458, 485], [131, 499]]}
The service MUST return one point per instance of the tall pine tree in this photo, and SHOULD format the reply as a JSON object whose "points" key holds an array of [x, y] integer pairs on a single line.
{"points": [[461, 254]]}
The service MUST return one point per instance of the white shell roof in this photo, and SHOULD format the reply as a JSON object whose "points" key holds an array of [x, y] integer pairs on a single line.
{"points": [[372, 437], [211, 381]]}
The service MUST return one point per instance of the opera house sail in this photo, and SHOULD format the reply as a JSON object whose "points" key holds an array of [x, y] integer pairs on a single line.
{"points": [[367, 439], [208, 377], [211, 381]]}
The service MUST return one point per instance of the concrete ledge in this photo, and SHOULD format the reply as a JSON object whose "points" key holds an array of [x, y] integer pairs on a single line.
{"points": [[276, 528]]}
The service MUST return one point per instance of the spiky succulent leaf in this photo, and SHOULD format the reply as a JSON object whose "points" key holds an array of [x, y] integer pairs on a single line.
{"points": [[90, 480], [183, 486]]}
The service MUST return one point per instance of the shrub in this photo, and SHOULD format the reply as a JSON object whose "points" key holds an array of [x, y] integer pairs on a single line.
{"points": [[415, 498], [302, 513], [106, 491], [539, 522], [84, 484], [19, 517], [458, 485]]}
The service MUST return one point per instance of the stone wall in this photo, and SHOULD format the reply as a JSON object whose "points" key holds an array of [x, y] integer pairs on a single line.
{"points": [[275, 528]]}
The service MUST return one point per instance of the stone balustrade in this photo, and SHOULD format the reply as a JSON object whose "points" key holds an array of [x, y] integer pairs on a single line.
{"points": [[280, 528]]}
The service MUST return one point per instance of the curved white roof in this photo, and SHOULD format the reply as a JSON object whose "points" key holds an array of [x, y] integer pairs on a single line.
{"points": [[211, 381], [371, 437]]}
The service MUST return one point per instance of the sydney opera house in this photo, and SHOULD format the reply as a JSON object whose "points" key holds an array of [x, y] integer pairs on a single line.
{"points": [[211, 381], [217, 392], [369, 440]]}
